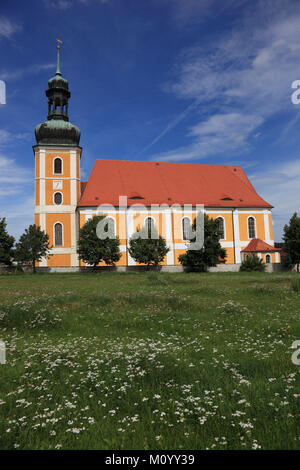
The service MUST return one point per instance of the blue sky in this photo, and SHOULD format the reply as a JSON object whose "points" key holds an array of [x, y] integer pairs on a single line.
{"points": [[196, 81]]}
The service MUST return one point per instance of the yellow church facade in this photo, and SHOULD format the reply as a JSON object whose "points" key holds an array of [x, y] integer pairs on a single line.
{"points": [[135, 193]]}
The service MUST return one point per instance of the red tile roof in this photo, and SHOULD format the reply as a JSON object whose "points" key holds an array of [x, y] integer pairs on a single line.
{"points": [[169, 183], [82, 186], [259, 245]]}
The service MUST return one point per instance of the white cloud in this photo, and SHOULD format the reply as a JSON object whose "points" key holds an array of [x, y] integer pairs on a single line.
{"points": [[280, 185], [171, 125], [8, 28], [242, 79], [16, 200], [32, 70], [65, 4], [19, 215], [7, 137], [12, 175], [218, 134], [186, 12]]}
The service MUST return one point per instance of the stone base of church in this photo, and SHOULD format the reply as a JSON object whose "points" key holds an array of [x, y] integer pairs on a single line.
{"points": [[272, 267]]}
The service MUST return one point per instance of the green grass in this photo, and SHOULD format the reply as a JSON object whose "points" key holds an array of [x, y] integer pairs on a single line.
{"points": [[149, 361]]}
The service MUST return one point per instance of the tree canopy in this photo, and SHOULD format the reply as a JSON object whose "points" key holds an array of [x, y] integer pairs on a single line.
{"points": [[147, 247], [92, 249], [6, 243], [291, 238], [211, 251], [32, 246]]}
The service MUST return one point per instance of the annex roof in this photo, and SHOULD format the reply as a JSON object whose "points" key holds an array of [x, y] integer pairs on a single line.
{"points": [[258, 245]]}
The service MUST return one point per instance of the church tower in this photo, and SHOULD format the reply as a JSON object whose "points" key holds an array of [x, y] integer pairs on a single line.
{"points": [[57, 175]]}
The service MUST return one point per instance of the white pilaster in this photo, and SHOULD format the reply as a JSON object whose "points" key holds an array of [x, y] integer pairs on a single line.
{"points": [[42, 178], [267, 228], [130, 231], [169, 237], [236, 231], [43, 262], [73, 177]]}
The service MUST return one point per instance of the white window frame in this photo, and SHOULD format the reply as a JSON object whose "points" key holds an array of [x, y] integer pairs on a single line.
{"points": [[255, 231], [62, 165], [185, 217], [149, 217], [62, 198], [62, 234], [224, 226], [268, 254]]}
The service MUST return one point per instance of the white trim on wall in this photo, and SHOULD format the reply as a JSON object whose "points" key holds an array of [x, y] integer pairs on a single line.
{"points": [[267, 228], [42, 178], [236, 235], [169, 238], [61, 209], [130, 232]]}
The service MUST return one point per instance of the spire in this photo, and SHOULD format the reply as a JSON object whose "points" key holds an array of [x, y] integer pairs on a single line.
{"points": [[58, 129], [58, 93], [58, 63]]}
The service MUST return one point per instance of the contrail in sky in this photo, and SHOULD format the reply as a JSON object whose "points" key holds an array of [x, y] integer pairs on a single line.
{"points": [[170, 126]]}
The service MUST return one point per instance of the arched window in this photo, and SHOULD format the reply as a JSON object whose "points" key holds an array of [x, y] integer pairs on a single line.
{"points": [[149, 223], [221, 227], [110, 227], [58, 234], [58, 165], [151, 231], [268, 258], [57, 198], [251, 227], [186, 228]]}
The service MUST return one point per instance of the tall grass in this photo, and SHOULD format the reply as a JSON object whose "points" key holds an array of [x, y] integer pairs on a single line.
{"points": [[295, 284], [149, 361]]}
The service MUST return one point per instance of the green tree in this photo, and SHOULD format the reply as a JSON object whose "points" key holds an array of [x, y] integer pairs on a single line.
{"points": [[253, 263], [92, 249], [32, 246], [291, 240], [209, 254], [147, 247], [6, 244]]}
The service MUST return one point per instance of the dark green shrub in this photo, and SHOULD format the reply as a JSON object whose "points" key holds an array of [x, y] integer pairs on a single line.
{"points": [[253, 263]]}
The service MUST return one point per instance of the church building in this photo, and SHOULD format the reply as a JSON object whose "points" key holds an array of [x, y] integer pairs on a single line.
{"points": [[134, 193]]}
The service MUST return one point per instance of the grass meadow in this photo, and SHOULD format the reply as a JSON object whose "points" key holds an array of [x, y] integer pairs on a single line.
{"points": [[149, 361]]}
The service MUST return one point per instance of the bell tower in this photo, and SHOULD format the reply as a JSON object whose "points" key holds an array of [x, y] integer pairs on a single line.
{"points": [[57, 175]]}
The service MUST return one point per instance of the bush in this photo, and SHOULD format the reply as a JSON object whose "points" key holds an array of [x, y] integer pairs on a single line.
{"points": [[253, 263]]}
